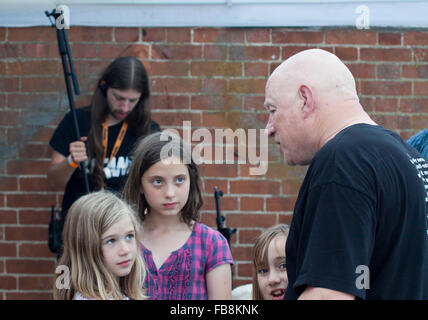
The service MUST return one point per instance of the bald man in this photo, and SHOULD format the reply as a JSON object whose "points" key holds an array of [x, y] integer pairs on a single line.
{"points": [[359, 227]]}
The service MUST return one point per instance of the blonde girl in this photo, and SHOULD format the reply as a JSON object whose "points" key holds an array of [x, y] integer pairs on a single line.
{"points": [[101, 250], [269, 269]]}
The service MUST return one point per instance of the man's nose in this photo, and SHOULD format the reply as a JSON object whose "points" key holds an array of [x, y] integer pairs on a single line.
{"points": [[269, 127]]}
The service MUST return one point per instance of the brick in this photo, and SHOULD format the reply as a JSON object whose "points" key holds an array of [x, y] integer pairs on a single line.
{"points": [[25, 101], [113, 51], [241, 253], [34, 184], [254, 187], [280, 204], [169, 68], [289, 50], [9, 84], [30, 200], [420, 55], [248, 220], [9, 118], [154, 34], [29, 250], [2, 72], [36, 283], [252, 203], [210, 120], [8, 283], [35, 151], [30, 266], [41, 50], [83, 50], [254, 53], [346, 53], [388, 88], [33, 34], [351, 36], [89, 67], [27, 167], [179, 52], [390, 38], [285, 219], [26, 233], [214, 86], [176, 119], [254, 103], [255, 86], [421, 88], [126, 34], [279, 36], [209, 69], [8, 216], [257, 35], [363, 71], [3, 34], [37, 85], [219, 170], [8, 184], [40, 217], [388, 71], [291, 187], [414, 105], [245, 269], [415, 38], [256, 69], [386, 104], [218, 35], [419, 122], [9, 51], [226, 203], [8, 250], [248, 236], [179, 35], [215, 52], [170, 102], [390, 54], [90, 34], [218, 102], [177, 85], [220, 184]]}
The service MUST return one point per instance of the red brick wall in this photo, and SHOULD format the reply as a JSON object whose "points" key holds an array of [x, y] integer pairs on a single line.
{"points": [[212, 77]]}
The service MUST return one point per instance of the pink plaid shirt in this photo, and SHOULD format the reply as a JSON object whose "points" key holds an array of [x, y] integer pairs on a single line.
{"points": [[182, 276]]}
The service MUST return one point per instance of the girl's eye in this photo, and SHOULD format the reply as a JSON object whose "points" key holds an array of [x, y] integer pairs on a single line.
{"points": [[180, 180], [130, 236], [262, 271], [283, 266], [110, 241], [157, 182]]}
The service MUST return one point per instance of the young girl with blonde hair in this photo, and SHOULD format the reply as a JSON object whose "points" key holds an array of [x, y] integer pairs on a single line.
{"points": [[185, 259], [269, 269], [101, 251]]}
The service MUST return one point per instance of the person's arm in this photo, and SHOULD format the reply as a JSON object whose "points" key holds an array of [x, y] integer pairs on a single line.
{"points": [[313, 293], [219, 283], [60, 171]]}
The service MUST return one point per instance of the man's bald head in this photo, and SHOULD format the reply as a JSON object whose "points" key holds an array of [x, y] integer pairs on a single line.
{"points": [[320, 70]]}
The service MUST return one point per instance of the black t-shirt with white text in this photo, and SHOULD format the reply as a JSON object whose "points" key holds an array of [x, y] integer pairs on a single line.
{"points": [[117, 168], [360, 221]]}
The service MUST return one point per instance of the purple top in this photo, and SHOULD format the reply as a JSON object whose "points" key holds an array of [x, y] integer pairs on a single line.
{"points": [[182, 275]]}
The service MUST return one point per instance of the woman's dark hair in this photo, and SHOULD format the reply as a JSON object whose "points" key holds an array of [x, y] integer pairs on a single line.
{"points": [[123, 73], [149, 151]]}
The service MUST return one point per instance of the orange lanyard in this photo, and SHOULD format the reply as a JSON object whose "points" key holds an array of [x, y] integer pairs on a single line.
{"points": [[118, 142]]}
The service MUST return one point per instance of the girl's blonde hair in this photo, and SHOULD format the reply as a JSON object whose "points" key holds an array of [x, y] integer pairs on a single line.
{"points": [[260, 253], [88, 218]]}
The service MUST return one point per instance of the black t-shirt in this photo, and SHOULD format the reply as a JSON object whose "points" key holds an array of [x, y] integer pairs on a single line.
{"points": [[119, 166], [360, 220]]}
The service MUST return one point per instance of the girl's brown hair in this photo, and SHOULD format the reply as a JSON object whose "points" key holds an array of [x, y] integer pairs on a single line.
{"points": [[88, 218], [260, 253], [149, 151], [123, 73]]}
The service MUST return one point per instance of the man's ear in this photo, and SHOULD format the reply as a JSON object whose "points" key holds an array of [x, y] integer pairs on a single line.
{"points": [[306, 94]]}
